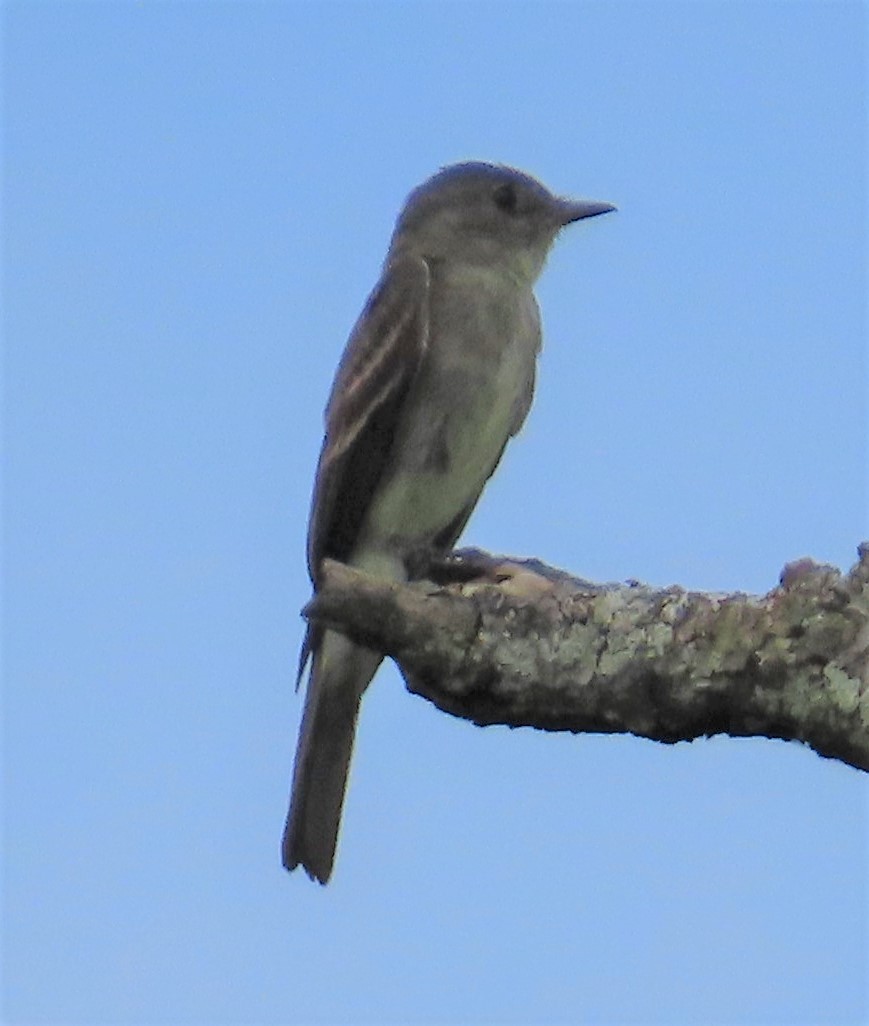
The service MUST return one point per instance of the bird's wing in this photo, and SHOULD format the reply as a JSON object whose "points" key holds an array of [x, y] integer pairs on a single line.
{"points": [[381, 360], [379, 363]]}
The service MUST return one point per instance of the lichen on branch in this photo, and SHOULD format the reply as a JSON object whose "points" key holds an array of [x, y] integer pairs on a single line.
{"points": [[516, 642]]}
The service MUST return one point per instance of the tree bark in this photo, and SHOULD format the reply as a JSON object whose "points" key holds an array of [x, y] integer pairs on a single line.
{"points": [[498, 640]]}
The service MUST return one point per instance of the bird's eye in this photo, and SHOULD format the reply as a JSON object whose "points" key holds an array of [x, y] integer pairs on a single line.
{"points": [[506, 199]]}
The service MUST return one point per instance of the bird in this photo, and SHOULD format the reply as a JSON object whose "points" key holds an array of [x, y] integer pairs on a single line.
{"points": [[437, 376]]}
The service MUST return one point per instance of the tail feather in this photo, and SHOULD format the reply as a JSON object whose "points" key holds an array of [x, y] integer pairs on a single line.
{"points": [[340, 672]]}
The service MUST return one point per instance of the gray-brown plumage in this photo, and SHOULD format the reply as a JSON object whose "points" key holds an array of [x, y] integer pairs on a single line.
{"points": [[437, 376]]}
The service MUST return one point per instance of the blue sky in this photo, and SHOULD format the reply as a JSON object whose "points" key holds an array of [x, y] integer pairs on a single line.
{"points": [[196, 200]]}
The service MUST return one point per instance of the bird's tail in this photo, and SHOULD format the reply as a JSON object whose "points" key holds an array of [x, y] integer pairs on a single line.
{"points": [[340, 672]]}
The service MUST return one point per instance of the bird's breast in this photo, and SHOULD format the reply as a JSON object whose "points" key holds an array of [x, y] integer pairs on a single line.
{"points": [[483, 341]]}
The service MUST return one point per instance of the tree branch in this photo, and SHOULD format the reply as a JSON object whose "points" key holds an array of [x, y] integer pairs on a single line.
{"points": [[497, 640]]}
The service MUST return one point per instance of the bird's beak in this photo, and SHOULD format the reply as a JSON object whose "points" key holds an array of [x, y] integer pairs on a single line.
{"points": [[576, 210]]}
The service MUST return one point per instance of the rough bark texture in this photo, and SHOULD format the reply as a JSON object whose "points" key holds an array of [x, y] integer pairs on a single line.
{"points": [[516, 642]]}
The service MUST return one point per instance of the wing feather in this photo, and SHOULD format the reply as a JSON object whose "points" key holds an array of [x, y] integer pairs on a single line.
{"points": [[381, 360]]}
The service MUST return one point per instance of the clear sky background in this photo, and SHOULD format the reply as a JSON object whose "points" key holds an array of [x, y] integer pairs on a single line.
{"points": [[196, 200]]}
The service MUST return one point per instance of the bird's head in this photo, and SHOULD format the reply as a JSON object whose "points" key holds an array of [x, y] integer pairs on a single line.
{"points": [[489, 215]]}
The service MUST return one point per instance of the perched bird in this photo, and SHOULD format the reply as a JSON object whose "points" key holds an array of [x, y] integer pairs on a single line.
{"points": [[437, 376]]}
